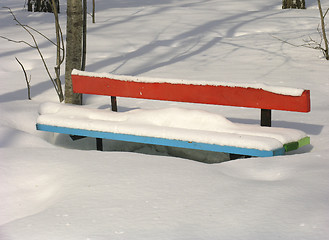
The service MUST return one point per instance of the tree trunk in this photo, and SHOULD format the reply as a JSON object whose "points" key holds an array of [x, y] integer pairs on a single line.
{"points": [[41, 6], [37, 6], [73, 48], [293, 4], [29, 6], [84, 36], [94, 9]]}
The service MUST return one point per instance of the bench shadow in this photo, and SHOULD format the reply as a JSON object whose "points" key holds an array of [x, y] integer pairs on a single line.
{"points": [[313, 129], [89, 144], [302, 150], [120, 108], [310, 129]]}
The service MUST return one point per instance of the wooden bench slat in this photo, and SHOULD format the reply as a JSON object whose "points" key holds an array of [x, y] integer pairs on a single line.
{"points": [[205, 94], [162, 141]]}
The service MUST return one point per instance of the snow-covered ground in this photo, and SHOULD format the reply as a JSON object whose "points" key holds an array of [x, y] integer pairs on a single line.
{"points": [[53, 188]]}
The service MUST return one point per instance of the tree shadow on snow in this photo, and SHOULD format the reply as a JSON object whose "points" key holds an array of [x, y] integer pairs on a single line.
{"points": [[193, 42]]}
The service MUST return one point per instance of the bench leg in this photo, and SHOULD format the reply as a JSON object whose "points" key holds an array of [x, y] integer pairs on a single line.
{"points": [[99, 144], [265, 118], [114, 104]]}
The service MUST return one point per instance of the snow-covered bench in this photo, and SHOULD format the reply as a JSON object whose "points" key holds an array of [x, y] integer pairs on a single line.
{"points": [[177, 127]]}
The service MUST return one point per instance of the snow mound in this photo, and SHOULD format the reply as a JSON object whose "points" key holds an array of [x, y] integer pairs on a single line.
{"points": [[170, 123]]}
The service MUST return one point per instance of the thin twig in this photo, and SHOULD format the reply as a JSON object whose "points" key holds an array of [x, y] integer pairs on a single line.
{"points": [[41, 34], [294, 45], [26, 79], [324, 34], [18, 41], [325, 14], [311, 43]]}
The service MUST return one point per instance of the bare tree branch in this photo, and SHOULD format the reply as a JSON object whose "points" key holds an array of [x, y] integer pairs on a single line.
{"points": [[325, 14], [26, 79], [311, 43], [41, 34], [18, 41], [36, 46], [59, 60], [324, 34], [21, 41]]}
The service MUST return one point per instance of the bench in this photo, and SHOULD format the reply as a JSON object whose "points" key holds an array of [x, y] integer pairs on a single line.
{"points": [[241, 139]]}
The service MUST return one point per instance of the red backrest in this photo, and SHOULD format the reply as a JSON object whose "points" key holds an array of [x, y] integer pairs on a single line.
{"points": [[206, 94]]}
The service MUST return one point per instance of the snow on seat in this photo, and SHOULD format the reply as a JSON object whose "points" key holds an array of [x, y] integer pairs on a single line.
{"points": [[195, 129]]}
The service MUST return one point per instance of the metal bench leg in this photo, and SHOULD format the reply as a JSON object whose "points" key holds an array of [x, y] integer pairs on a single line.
{"points": [[99, 144], [114, 104], [265, 118]]}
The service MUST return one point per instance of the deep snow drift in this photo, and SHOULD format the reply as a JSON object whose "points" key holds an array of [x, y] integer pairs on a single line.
{"points": [[53, 188]]}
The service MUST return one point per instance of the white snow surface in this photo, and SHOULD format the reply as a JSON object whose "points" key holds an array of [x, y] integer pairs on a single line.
{"points": [[169, 123], [273, 89], [53, 188]]}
